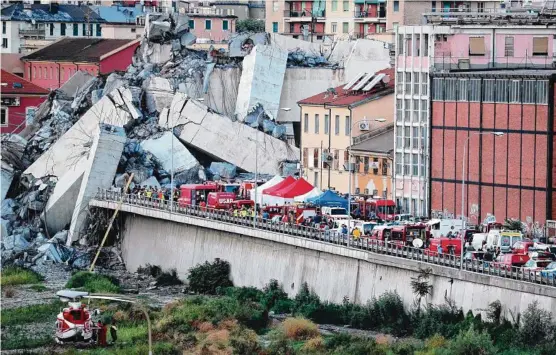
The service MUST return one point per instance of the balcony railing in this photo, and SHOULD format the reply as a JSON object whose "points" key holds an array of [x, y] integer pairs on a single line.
{"points": [[362, 14], [32, 32], [305, 13], [364, 243]]}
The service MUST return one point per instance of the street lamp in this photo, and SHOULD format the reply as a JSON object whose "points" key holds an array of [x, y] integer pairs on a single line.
{"points": [[379, 120], [257, 164], [463, 222]]}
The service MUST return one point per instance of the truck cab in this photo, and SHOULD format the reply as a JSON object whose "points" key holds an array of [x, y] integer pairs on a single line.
{"points": [[192, 194]]}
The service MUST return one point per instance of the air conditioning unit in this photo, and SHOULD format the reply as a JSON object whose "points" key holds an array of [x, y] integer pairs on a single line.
{"points": [[364, 126]]}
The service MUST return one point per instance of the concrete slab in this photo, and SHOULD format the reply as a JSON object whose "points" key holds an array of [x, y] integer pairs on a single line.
{"points": [[77, 80], [61, 203], [158, 93], [74, 144], [150, 182], [233, 142], [261, 80], [6, 178], [161, 148], [101, 167]]}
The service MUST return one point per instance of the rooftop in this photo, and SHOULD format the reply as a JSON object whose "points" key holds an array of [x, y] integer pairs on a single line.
{"points": [[381, 142], [78, 49], [353, 97], [13, 85], [118, 14], [50, 13]]}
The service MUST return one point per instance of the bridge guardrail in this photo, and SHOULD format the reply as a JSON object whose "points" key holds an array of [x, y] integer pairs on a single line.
{"points": [[332, 237]]}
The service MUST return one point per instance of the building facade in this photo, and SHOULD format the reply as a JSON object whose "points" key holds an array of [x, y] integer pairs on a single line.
{"points": [[52, 66], [28, 27], [511, 42], [121, 22], [501, 125], [20, 100], [326, 121]]}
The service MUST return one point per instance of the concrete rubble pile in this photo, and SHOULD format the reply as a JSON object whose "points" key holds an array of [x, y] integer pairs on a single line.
{"points": [[93, 133]]}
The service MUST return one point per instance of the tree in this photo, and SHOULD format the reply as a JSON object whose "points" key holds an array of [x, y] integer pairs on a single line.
{"points": [[250, 25], [420, 286]]}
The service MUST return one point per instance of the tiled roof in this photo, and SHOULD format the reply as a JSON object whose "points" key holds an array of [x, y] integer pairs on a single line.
{"points": [[347, 97], [119, 14], [88, 50], [50, 13], [13, 84]]}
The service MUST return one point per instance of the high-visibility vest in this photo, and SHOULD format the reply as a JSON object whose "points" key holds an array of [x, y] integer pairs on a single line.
{"points": [[149, 193], [243, 213], [235, 213]]}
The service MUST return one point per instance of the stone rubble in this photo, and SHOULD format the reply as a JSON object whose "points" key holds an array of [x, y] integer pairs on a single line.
{"points": [[52, 170]]}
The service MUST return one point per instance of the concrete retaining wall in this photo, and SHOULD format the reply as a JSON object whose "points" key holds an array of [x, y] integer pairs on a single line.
{"points": [[180, 241]]}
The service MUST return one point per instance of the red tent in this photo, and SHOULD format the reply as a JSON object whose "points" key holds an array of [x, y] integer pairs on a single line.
{"points": [[298, 188], [286, 182]]}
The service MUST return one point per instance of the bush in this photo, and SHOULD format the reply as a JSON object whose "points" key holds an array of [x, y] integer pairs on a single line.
{"points": [[207, 278], [471, 342], [94, 283], [244, 341], [18, 276], [306, 302], [275, 298], [443, 320], [390, 311], [299, 329], [536, 326], [242, 294], [314, 345], [168, 278], [345, 344]]}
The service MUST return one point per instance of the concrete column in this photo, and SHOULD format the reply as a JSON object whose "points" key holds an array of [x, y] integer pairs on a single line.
{"points": [[102, 164]]}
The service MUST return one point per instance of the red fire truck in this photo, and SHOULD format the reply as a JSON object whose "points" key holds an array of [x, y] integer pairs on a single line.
{"points": [[192, 194]]}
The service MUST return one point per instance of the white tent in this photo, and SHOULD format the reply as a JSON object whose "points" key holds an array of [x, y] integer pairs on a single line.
{"points": [[275, 180], [313, 193]]}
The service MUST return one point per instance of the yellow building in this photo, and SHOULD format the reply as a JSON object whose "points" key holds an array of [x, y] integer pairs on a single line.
{"points": [[366, 107]]}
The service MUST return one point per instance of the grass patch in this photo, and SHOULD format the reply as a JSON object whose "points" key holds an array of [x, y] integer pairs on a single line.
{"points": [[38, 288], [159, 348], [91, 282], [20, 342], [30, 314], [133, 334], [19, 276], [299, 329]]}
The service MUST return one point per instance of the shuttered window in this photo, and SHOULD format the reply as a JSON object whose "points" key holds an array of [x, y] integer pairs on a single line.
{"points": [[540, 46], [477, 46], [509, 46]]}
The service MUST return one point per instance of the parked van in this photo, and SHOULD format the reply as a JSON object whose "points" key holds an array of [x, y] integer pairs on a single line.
{"points": [[441, 227]]}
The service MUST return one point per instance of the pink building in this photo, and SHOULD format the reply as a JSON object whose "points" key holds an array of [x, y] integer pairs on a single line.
{"points": [[216, 26], [51, 66]]}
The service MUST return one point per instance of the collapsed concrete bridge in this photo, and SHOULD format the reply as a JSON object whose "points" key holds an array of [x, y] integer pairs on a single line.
{"points": [[177, 237]]}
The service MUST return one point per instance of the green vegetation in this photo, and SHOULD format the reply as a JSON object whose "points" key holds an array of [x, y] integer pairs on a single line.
{"points": [[30, 314], [250, 25], [207, 278], [91, 282], [163, 278], [19, 276], [38, 288]]}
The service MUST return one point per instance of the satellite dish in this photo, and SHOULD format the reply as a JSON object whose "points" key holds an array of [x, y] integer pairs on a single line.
{"points": [[417, 243]]}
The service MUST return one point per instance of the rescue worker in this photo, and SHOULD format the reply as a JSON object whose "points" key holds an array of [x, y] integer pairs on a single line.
{"points": [[243, 212], [161, 197], [149, 193], [202, 204], [356, 233], [236, 212]]}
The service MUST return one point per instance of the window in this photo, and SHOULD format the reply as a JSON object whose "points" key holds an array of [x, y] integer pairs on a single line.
{"points": [[51, 77], [395, 26], [375, 166], [396, 6], [133, 30], [399, 110], [509, 46], [275, 6], [415, 139], [225, 24], [192, 24], [337, 125], [275, 27], [424, 109], [502, 90], [450, 91], [488, 90], [326, 124], [334, 5], [345, 27], [62, 29], [476, 46], [52, 29], [3, 116], [475, 90], [84, 29], [4, 43], [399, 138], [462, 90], [384, 167], [334, 27], [30, 115], [305, 157], [39, 71], [408, 83], [44, 73], [398, 163], [75, 29], [346, 6], [415, 110], [540, 45], [406, 164], [316, 124], [208, 24], [433, 6], [366, 165], [407, 138], [416, 77], [515, 91], [306, 123], [414, 206], [3, 27], [91, 29], [316, 157], [336, 164], [99, 30], [407, 111], [415, 165], [535, 91], [347, 126]]}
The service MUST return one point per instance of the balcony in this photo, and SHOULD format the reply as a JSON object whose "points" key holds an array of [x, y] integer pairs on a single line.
{"points": [[304, 15], [32, 32], [369, 16]]}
